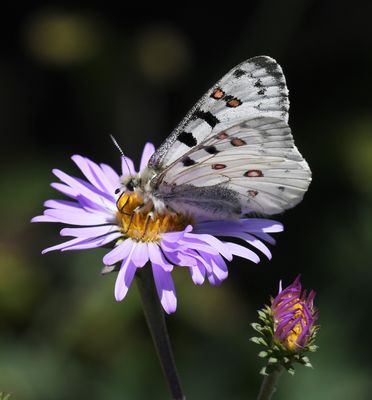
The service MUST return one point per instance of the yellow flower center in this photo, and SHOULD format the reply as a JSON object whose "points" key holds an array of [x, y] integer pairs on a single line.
{"points": [[144, 224], [291, 340]]}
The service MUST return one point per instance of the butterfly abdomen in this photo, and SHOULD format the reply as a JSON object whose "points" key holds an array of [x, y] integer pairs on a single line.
{"points": [[212, 202]]}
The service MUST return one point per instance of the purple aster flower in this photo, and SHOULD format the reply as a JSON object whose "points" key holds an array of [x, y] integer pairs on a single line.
{"points": [[103, 214]]}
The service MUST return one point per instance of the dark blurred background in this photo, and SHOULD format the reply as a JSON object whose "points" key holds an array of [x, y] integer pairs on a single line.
{"points": [[69, 77]]}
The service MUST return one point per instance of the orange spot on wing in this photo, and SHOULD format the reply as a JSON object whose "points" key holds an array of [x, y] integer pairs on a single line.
{"points": [[217, 94], [234, 102]]}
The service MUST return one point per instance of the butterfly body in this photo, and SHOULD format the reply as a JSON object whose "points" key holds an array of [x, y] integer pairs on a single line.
{"points": [[233, 154]]}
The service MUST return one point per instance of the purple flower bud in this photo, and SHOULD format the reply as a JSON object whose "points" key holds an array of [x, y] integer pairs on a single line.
{"points": [[294, 316]]}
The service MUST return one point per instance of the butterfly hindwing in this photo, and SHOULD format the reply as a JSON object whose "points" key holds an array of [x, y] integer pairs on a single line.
{"points": [[256, 161]]}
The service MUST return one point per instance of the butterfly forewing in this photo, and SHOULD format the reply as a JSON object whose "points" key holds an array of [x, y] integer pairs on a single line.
{"points": [[255, 87], [234, 153]]}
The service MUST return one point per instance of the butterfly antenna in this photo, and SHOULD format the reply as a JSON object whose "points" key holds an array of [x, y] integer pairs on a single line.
{"points": [[120, 150]]}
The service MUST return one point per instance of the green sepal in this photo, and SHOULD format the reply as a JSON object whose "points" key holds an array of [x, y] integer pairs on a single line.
{"points": [[262, 315], [255, 339], [275, 347], [257, 327], [263, 371]]}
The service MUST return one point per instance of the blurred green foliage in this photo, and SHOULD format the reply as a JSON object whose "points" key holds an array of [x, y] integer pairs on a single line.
{"points": [[71, 76]]}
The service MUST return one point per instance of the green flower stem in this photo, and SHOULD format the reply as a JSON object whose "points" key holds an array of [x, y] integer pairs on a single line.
{"points": [[156, 322], [269, 384]]}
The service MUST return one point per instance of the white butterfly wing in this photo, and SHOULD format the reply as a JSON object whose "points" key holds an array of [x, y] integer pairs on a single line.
{"points": [[246, 162], [255, 87]]}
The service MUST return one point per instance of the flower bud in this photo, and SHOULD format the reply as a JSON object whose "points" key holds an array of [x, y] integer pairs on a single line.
{"points": [[287, 328], [294, 316]]}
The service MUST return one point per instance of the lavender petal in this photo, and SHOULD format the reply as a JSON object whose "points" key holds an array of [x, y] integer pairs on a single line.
{"points": [[212, 242], [179, 258], [93, 173], [89, 232], [62, 204], [241, 251], [45, 218], [198, 274], [124, 278], [119, 252], [148, 151], [65, 189], [83, 187], [111, 174], [127, 166], [78, 218], [83, 243], [140, 254], [157, 258], [165, 288]]}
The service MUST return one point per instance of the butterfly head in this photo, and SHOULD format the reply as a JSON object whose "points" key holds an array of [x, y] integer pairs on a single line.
{"points": [[129, 183]]}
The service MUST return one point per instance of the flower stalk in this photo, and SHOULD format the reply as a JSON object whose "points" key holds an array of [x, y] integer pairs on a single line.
{"points": [[269, 384], [157, 325]]}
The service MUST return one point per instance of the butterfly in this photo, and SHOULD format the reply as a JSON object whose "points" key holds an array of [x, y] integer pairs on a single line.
{"points": [[232, 155]]}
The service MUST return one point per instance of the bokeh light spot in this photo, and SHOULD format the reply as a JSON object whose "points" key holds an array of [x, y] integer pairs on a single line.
{"points": [[62, 38], [163, 54]]}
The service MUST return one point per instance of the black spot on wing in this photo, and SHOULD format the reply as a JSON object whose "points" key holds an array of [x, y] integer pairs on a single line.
{"points": [[262, 91], [271, 67], [207, 116], [187, 138], [258, 83], [187, 162], [211, 150], [239, 72]]}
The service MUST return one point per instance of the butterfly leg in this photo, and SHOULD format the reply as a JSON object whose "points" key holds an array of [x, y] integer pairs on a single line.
{"points": [[149, 217], [138, 209]]}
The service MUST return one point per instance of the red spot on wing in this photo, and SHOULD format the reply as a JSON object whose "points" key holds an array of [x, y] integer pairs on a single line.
{"points": [[253, 173], [222, 135], [234, 102], [238, 142], [218, 166]]}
